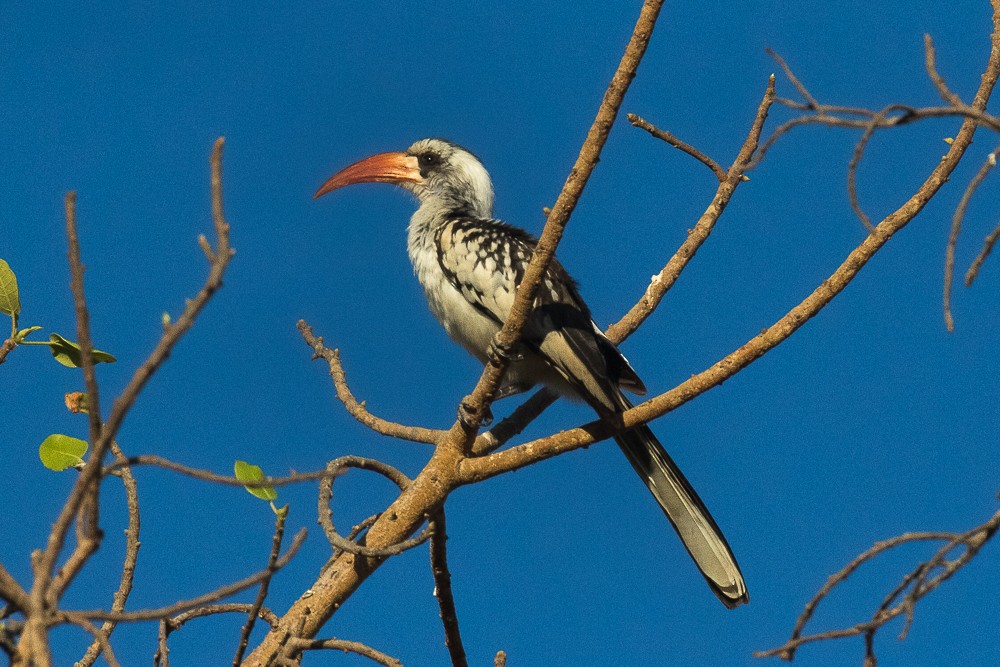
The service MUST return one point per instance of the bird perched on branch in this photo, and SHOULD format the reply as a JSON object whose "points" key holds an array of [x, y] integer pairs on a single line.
{"points": [[470, 265]]}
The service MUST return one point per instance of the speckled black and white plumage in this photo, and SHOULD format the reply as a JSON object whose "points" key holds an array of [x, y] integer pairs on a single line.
{"points": [[470, 265]]}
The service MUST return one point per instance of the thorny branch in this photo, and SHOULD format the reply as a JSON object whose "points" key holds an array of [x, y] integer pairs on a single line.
{"points": [[902, 601]]}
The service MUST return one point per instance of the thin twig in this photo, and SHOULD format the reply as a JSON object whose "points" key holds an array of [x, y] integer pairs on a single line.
{"points": [[916, 582], [272, 561], [956, 229], [663, 135], [930, 64], [354, 407], [852, 166], [296, 645], [184, 605], [100, 638], [442, 590], [169, 625], [973, 271], [803, 91], [215, 478]]}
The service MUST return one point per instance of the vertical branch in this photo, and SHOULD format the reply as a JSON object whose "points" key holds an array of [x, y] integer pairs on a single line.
{"points": [[131, 556], [590, 153], [442, 590], [956, 229], [265, 583], [82, 321]]}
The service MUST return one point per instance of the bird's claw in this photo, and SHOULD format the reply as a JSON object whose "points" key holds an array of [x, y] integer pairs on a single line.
{"points": [[498, 355], [466, 415]]}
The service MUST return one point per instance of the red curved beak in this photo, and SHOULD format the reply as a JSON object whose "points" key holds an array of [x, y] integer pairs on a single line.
{"points": [[393, 168]]}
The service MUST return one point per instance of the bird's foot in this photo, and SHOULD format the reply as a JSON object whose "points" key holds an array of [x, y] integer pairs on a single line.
{"points": [[499, 355], [467, 415]]}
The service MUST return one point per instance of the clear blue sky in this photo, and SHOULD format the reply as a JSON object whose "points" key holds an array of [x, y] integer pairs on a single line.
{"points": [[871, 421]]}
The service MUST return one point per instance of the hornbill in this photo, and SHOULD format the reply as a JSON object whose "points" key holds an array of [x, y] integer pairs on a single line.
{"points": [[470, 264]]}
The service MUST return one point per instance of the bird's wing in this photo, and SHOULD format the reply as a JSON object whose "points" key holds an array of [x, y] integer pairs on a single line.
{"points": [[560, 329]]}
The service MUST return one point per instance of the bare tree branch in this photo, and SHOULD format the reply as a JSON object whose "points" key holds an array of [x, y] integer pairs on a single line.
{"points": [[927, 576], [132, 545], [442, 590], [439, 476], [956, 229], [357, 409], [973, 271], [335, 468], [297, 645], [663, 135], [272, 567], [169, 625], [517, 457], [184, 605]]}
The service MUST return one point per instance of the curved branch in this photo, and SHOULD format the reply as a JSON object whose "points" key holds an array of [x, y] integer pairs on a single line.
{"points": [[297, 645], [335, 468], [354, 407]]}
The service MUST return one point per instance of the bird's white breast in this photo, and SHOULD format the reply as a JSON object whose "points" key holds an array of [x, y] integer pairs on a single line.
{"points": [[464, 323]]}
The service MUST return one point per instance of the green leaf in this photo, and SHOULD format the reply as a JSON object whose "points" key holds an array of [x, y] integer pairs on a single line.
{"points": [[24, 333], [68, 353], [247, 472], [59, 452], [10, 302]]}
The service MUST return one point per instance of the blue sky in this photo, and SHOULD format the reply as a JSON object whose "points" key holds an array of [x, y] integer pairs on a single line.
{"points": [[869, 422]]}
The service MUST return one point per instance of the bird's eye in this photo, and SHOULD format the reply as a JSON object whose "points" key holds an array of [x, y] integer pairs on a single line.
{"points": [[429, 159]]}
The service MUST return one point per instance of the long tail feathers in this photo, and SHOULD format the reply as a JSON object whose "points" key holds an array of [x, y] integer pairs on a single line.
{"points": [[686, 511]]}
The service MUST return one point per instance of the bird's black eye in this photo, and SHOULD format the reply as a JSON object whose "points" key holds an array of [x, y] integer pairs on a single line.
{"points": [[429, 160]]}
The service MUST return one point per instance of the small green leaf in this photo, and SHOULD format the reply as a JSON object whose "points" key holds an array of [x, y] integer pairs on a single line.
{"points": [[68, 353], [59, 452], [10, 302], [24, 333], [247, 472]]}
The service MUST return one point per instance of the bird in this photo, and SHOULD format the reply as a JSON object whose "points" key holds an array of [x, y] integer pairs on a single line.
{"points": [[470, 264]]}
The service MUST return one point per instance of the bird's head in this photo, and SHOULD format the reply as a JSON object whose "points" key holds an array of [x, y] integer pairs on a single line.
{"points": [[438, 172]]}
